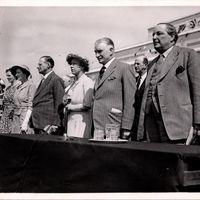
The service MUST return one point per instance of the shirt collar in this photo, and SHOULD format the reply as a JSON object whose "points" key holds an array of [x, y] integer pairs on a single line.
{"points": [[46, 75], [166, 53], [108, 63], [144, 76]]}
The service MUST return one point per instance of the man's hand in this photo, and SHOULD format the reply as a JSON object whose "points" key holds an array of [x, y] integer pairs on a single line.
{"points": [[50, 129], [194, 135], [197, 127], [125, 134], [24, 127]]}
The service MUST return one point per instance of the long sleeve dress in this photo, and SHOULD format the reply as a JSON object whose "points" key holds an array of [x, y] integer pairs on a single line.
{"points": [[79, 119], [23, 98]]}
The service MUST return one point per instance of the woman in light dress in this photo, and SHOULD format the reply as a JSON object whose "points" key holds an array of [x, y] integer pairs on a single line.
{"points": [[78, 99], [23, 97], [8, 103]]}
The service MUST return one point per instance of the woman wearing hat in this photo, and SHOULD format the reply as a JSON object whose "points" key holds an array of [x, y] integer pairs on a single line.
{"points": [[80, 95], [8, 103], [23, 97], [2, 87]]}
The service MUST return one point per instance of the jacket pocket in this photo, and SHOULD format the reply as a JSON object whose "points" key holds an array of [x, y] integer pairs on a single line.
{"points": [[180, 69]]}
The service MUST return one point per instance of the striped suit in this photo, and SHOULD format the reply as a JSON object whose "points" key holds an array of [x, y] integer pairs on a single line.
{"points": [[114, 97]]}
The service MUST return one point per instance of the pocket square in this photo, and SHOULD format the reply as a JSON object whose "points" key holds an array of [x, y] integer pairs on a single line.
{"points": [[179, 69], [115, 110], [111, 78]]}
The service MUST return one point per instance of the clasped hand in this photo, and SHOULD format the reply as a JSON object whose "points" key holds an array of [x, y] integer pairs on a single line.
{"points": [[126, 134], [49, 129]]}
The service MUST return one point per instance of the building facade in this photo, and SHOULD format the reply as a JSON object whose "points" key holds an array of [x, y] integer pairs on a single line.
{"points": [[188, 29]]}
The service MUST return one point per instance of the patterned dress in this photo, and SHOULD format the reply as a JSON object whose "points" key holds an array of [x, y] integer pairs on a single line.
{"points": [[8, 104]]}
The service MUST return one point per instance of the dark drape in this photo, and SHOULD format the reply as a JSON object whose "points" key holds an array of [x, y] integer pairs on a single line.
{"points": [[42, 163]]}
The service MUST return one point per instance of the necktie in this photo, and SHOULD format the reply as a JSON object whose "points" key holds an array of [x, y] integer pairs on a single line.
{"points": [[138, 82], [42, 80], [159, 64], [160, 59], [101, 72]]}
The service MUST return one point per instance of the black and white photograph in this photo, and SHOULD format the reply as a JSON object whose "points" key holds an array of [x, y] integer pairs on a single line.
{"points": [[100, 99]]}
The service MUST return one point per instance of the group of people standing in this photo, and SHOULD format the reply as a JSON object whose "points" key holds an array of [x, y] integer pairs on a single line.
{"points": [[17, 101], [162, 104]]}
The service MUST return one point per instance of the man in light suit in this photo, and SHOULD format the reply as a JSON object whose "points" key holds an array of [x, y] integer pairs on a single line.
{"points": [[140, 66], [47, 99], [114, 90], [171, 102]]}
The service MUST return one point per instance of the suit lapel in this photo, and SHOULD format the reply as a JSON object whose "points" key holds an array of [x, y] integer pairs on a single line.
{"points": [[142, 86], [96, 83], [169, 62], [107, 73], [150, 70], [43, 85]]}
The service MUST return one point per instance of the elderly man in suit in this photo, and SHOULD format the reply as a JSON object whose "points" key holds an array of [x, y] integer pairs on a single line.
{"points": [[140, 66], [47, 99], [114, 90], [171, 102]]}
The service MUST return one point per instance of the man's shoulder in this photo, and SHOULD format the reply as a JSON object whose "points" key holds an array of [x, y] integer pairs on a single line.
{"points": [[56, 79], [122, 66], [55, 76], [121, 63], [184, 49], [188, 53], [125, 68]]}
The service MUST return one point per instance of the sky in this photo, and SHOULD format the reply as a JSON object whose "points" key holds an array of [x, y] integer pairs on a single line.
{"points": [[29, 32]]}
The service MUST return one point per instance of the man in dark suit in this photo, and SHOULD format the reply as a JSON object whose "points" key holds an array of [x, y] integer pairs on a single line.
{"points": [[140, 65], [47, 99], [114, 90], [171, 102]]}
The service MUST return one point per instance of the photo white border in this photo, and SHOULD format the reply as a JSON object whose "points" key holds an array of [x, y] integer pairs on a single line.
{"points": [[99, 196], [99, 2]]}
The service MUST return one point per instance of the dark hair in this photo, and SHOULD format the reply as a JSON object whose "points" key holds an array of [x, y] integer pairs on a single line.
{"points": [[83, 61], [49, 59], [107, 40], [25, 70], [9, 70], [171, 30], [145, 61]]}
